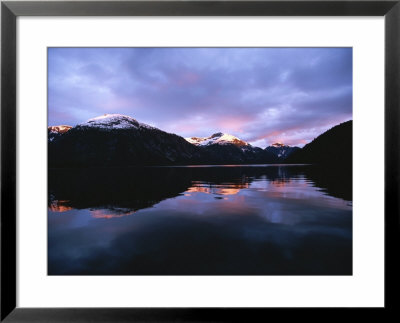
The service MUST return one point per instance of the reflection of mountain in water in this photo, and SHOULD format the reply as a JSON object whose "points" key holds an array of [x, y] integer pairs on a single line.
{"points": [[217, 189], [337, 182], [123, 191], [114, 188]]}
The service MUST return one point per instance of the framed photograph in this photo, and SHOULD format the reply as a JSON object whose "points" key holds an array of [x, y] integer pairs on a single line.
{"points": [[198, 160]]}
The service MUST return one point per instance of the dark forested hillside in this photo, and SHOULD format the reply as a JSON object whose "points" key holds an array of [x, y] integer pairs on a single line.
{"points": [[333, 147], [88, 147]]}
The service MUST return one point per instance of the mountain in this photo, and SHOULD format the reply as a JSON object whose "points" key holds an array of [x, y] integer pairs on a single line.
{"points": [[217, 138], [114, 121], [118, 140], [56, 131], [227, 149], [233, 154], [333, 147], [59, 129], [281, 151]]}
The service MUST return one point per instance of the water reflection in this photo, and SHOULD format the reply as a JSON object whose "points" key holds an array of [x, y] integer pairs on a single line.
{"points": [[282, 220], [218, 189]]}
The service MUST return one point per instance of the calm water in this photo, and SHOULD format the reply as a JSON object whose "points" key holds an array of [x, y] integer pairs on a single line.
{"points": [[208, 220]]}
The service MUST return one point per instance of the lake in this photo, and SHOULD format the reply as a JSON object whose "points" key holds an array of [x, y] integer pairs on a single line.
{"points": [[200, 220]]}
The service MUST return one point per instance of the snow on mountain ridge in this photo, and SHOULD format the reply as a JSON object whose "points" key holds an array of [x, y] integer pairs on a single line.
{"points": [[111, 121], [217, 138], [114, 121], [279, 144], [59, 129], [281, 150]]}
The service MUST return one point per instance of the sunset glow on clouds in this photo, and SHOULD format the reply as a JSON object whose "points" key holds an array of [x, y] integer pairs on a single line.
{"points": [[261, 95]]}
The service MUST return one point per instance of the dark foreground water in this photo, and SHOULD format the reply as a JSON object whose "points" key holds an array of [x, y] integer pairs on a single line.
{"points": [[231, 220]]}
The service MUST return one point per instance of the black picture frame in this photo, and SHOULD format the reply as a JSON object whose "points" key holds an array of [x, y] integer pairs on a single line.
{"points": [[10, 10]]}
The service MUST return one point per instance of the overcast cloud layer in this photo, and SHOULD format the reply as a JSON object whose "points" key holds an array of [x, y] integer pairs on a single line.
{"points": [[261, 95]]}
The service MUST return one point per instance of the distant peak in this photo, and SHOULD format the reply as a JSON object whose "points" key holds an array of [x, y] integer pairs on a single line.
{"points": [[59, 129], [217, 138], [278, 144]]}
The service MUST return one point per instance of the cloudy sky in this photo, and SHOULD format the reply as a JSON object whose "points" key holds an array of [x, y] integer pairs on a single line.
{"points": [[261, 95]]}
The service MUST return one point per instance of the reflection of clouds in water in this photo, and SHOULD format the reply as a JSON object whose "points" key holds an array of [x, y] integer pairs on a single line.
{"points": [[162, 241], [110, 213], [226, 188], [298, 189], [278, 200], [258, 224], [213, 190], [276, 207]]}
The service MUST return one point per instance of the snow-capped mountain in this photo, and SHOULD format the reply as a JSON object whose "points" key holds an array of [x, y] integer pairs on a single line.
{"points": [[217, 138], [56, 131], [227, 149], [59, 129], [119, 140], [281, 150], [114, 121]]}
